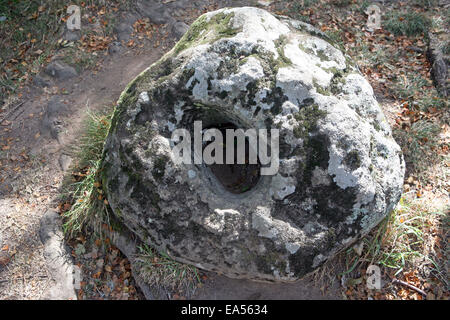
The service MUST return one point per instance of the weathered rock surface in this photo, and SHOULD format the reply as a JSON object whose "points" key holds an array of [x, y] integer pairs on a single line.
{"points": [[340, 171], [58, 258], [64, 162], [42, 81], [60, 70], [439, 57], [51, 122]]}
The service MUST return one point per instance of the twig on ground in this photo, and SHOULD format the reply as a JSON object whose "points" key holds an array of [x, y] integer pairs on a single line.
{"points": [[396, 281], [11, 111]]}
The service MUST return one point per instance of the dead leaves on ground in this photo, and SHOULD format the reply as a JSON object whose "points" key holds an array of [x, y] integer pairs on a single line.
{"points": [[410, 114], [94, 42], [106, 272], [356, 289], [29, 47]]}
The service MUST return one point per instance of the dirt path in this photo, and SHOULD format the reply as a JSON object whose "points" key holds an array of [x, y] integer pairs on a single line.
{"points": [[33, 174], [223, 288]]}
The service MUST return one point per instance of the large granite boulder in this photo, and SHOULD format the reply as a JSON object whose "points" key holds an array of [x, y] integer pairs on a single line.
{"points": [[340, 171]]}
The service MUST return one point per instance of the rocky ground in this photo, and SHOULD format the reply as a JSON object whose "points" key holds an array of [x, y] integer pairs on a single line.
{"points": [[87, 70]]}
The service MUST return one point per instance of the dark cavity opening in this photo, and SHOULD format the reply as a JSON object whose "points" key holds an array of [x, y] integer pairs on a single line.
{"points": [[236, 178]]}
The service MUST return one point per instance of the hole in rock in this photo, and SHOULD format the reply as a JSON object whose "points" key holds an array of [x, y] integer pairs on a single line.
{"points": [[236, 178]]}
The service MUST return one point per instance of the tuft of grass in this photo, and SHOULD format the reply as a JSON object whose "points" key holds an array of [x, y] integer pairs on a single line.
{"points": [[364, 5], [79, 59], [336, 37], [342, 3], [399, 241], [295, 8], [411, 88], [86, 208], [406, 23], [158, 269], [90, 144], [89, 206], [426, 3], [419, 144]]}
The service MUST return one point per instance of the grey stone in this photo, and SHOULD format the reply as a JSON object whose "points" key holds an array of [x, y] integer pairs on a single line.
{"points": [[51, 126], [157, 13], [65, 161], [123, 31], [41, 81], [55, 107], [179, 29], [340, 170], [60, 70], [115, 48], [57, 256], [51, 122], [129, 17], [439, 61]]}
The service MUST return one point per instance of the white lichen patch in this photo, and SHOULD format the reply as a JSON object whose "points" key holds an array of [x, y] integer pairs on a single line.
{"points": [[215, 222], [258, 26], [281, 187], [329, 56], [250, 71], [205, 64], [292, 247], [295, 83], [263, 223], [143, 98]]}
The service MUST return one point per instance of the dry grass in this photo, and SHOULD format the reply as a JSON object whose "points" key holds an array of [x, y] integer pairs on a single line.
{"points": [[159, 270], [89, 206]]}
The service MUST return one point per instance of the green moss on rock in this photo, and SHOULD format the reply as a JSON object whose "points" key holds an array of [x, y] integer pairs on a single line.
{"points": [[200, 31], [282, 60], [307, 118]]}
